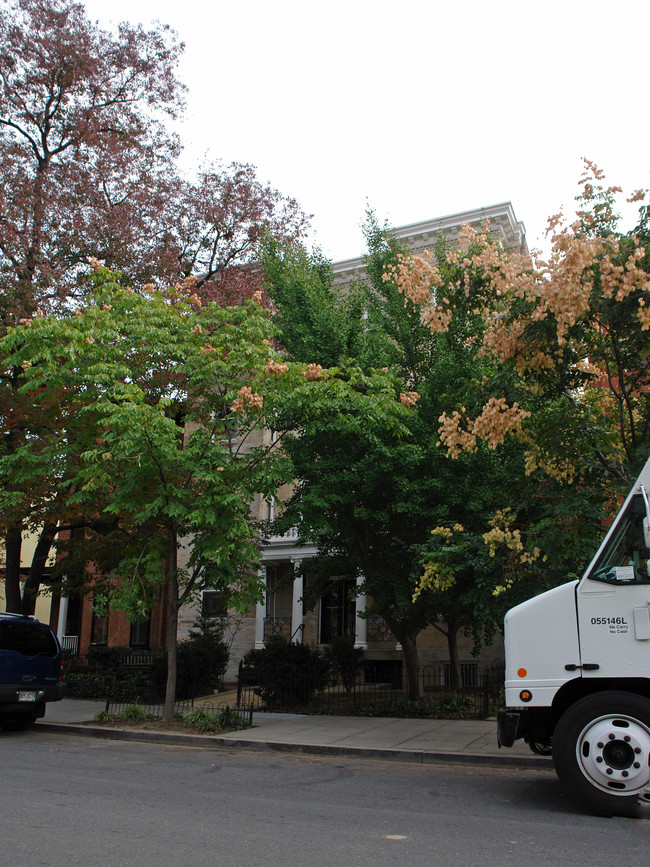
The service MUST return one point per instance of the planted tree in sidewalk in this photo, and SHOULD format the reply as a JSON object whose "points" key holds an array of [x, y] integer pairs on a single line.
{"points": [[173, 398], [368, 497], [157, 384]]}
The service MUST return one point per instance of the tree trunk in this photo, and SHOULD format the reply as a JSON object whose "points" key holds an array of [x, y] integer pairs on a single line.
{"points": [[455, 677], [412, 662], [13, 547], [172, 633], [37, 568]]}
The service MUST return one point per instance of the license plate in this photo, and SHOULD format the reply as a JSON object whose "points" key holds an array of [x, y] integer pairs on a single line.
{"points": [[26, 695]]}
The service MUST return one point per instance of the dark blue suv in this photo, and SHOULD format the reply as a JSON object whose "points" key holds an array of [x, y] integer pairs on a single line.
{"points": [[30, 670]]}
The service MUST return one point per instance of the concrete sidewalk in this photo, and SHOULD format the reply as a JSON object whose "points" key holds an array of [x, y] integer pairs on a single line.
{"points": [[412, 740]]}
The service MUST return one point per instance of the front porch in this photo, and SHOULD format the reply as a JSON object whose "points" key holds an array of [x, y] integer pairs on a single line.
{"points": [[282, 610]]}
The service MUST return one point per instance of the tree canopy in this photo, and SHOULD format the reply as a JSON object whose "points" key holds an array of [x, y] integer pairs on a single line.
{"points": [[571, 334], [568, 341], [367, 497], [157, 407], [528, 383], [85, 148], [89, 171]]}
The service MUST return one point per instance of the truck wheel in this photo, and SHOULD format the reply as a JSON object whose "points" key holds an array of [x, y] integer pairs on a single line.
{"points": [[17, 722], [601, 751]]}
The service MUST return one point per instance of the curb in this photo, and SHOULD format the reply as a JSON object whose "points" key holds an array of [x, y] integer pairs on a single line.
{"points": [[419, 757]]}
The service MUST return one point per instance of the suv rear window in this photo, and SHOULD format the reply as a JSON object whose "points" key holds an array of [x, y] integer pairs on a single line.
{"points": [[30, 639]]}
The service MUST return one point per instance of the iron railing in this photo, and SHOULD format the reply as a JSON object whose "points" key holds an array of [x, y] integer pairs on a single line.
{"points": [[228, 713], [277, 626], [380, 690], [378, 630], [70, 644]]}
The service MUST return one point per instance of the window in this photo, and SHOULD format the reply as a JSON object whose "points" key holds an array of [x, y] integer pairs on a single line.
{"points": [[73, 617], [99, 629], [27, 638], [624, 560], [140, 634], [338, 610], [213, 604]]}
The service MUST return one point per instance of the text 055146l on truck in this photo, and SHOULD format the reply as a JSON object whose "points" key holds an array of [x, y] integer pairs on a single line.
{"points": [[578, 669], [30, 670]]}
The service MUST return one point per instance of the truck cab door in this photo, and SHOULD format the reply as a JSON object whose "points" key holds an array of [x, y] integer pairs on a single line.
{"points": [[613, 599]]}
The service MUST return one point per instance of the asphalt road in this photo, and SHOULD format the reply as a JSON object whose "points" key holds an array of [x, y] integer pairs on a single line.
{"points": [[66, 800]]}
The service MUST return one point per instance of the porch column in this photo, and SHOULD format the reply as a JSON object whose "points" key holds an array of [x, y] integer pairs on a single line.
{"points": [[361, 624], [63, 617], [296, 604], [260, 613]]}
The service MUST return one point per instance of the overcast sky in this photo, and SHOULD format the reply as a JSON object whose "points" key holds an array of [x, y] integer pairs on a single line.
{"points": [[420, 108]]}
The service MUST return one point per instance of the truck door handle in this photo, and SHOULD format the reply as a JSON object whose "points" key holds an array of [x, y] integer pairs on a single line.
{"points": [[588, 666]]}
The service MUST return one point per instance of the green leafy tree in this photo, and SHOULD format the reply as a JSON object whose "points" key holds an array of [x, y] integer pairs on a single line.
{"points": [[156, 384], [567, 339], [368, 497], [557, 393], [169, 400], [317, 324]]}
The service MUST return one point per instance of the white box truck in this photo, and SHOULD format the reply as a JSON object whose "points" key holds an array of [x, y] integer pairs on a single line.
{"points": [[578, 669]]}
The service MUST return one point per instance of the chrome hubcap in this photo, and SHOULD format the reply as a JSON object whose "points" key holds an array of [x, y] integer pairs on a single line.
{"points": [[614, 753]]}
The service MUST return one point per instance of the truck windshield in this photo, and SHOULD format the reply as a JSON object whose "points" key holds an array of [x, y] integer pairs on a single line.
{"points": [[30, 639], [625, 558]]}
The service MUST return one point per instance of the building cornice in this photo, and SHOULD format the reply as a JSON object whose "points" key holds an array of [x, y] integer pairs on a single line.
{"points": [[417, 236]]}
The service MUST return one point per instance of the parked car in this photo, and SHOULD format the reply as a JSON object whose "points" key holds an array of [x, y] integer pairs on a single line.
{"points": [[30, 670]]}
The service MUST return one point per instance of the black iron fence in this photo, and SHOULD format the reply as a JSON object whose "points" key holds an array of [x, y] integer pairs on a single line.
{"points": [[128, 675], [182, 708], [381, 689], [228, 714]]}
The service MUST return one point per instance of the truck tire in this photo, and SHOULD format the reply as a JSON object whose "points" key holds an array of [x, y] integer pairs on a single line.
{"points": [[601, 751], [17, 722]]}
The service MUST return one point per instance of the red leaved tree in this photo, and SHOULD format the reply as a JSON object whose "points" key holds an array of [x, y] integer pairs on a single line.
{"points": [[89, 172], [86, 156]]}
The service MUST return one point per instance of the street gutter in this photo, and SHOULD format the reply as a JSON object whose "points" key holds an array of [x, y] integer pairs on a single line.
{"points": [[232, 742]]}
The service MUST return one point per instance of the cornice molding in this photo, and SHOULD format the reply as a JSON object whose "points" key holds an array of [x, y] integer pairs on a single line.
{"points": [[418, 235]]}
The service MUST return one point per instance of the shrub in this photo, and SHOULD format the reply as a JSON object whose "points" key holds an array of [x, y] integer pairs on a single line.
{"points": [[286, 674], [346, 660], [135, 713], [202, 721], [200, 663], [119, 686], [102, 658]]}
